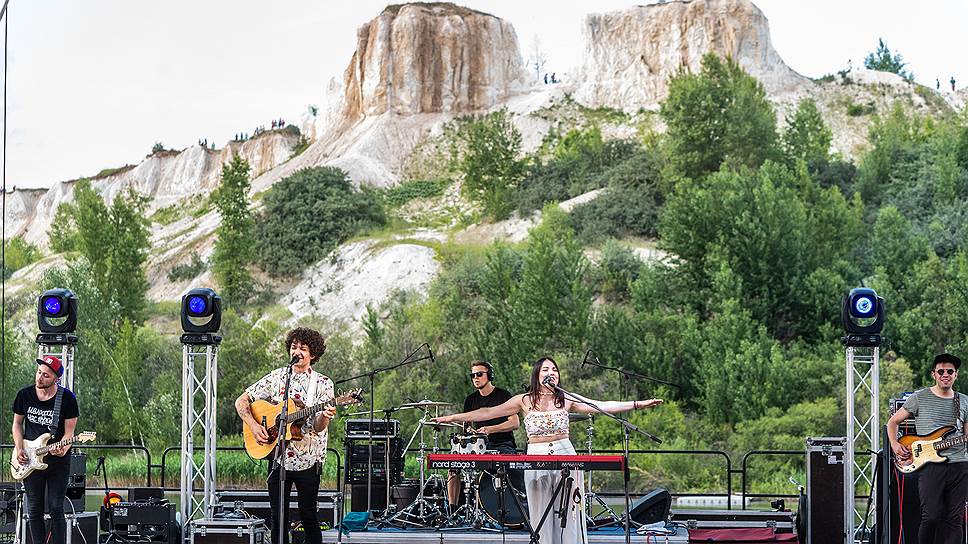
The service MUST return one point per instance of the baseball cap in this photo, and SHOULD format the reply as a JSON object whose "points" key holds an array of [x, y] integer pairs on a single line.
{"points": [[53, 362]]}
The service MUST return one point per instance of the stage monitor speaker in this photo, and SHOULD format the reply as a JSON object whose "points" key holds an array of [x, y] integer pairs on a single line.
{"points": [[826, 476], [378, 499], [653, 507], [141, 494]]}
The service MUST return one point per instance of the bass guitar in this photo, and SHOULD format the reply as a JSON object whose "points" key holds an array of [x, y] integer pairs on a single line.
{"points": [[925, 448], [267, 414], [38, 448]]}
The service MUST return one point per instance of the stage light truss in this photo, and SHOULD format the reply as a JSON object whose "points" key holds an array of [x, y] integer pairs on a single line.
{"points": [[199, 393], [863, 431]]}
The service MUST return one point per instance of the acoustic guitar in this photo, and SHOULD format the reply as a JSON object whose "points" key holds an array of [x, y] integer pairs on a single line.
{"points": [[925, 448], [267, 414], [38, 448]]}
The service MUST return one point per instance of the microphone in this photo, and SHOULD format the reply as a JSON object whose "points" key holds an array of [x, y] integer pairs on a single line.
{"points": [[100, 465], [548, 380], [431, 352], [295, 359]]}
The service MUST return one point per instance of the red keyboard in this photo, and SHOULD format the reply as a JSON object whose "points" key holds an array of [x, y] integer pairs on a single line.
{"points": [[491, 461]]}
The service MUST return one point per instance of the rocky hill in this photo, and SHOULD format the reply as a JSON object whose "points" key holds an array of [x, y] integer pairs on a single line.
{"points": [[416, 67]]}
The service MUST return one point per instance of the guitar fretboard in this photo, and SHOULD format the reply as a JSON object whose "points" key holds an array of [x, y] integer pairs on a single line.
{"points": [[945, 444]]}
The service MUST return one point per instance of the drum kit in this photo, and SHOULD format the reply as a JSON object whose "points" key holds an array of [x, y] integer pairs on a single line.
{"points": [[486, 502], [423, 502]]}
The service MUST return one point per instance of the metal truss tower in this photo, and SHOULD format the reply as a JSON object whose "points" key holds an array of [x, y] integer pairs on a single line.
{"points": [[863, 431], [199, 393]]}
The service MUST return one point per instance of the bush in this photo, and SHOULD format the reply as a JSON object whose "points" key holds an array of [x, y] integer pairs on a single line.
{"points": [[189, 270], [301, 145], [18, 253], [157, 148], [618, 268], [407, 191], [857, 110], [309, 213]]}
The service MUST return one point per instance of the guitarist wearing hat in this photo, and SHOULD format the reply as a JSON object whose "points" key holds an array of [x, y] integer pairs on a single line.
{"points": [[304, 458], [942, 486], [41, 408]]}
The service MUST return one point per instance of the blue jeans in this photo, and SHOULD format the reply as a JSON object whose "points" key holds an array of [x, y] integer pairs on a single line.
{"points": [[48, 489]]}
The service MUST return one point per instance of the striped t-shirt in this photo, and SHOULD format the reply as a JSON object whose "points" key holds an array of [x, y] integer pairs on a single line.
{"points": [[931, 411]]}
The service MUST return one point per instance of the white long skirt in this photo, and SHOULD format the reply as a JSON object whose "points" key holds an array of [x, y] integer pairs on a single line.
{"points": [[541, 484]]}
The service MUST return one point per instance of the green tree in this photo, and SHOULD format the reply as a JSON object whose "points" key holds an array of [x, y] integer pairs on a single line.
{"points": [[552, 303], [883, 61], [62, 235], [486, 154], [720, 115], [234, 245], [806, 136], [308, 214], [18, 253], [115, 242]]}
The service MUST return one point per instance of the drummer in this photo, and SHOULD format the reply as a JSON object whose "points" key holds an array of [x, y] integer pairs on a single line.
{"points": [[498, 432]]}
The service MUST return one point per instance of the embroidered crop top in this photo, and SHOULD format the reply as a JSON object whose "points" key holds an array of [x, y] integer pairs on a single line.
{"points": [[550, 423]]}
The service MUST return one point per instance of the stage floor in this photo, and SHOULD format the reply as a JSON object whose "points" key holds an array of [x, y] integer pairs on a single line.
{"points": [[403, 536]]}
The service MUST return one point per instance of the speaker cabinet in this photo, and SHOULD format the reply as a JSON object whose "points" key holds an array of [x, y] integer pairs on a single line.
{"points": [[826, 475], [378, 498], [81, 528], [653, 507]]}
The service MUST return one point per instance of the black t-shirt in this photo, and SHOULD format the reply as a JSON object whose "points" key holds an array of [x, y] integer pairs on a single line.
{"points": [[497, 397], [39, 414]]}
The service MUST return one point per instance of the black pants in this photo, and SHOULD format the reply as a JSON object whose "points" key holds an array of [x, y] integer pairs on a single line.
{"points": [[943, 489], [307, 490], [47, 489]]}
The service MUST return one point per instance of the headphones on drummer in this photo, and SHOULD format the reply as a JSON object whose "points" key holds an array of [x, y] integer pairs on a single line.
{"points": [[487, 365]]}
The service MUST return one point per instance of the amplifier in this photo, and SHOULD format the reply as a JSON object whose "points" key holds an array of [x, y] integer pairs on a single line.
{"points": [[145, 521], [357, 454], [382, 428]]}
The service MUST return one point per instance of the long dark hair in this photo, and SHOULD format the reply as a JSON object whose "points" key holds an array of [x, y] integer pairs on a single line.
{"points": [[535, 393]]}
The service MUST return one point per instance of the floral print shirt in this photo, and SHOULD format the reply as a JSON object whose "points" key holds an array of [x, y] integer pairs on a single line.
{"points": [[305, 453]]}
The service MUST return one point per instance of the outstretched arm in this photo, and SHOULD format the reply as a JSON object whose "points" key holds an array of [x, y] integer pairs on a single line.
{"points": [[612, 406], [511, 407]]}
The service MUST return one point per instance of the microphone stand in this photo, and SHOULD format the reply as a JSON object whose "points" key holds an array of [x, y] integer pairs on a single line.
{"points": [[629, 428], [371, 375], [280, 461], [626, 374]]}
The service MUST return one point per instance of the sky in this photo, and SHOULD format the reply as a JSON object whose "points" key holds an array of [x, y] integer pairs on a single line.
{"points": [[94, 84]]}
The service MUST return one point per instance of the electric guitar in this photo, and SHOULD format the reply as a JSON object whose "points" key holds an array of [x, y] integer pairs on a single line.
{"points": [[925, 448], [267, 414], [38, 448]]}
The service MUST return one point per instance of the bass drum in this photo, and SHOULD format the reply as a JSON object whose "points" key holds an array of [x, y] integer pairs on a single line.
{"points": [[488, 501]]}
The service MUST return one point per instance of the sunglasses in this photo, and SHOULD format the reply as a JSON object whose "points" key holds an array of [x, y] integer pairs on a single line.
{"points": [[943, 371], [477, 374]]}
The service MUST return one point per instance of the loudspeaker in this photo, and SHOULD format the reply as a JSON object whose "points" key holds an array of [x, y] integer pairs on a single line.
{"points": [[378, 499], [652, 507], [81, 528]]}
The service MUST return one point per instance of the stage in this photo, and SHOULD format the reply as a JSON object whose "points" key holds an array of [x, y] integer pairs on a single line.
{"points": [[403, 536]]}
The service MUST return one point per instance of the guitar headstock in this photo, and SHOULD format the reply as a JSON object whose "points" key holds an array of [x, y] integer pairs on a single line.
{"points": [[86, 436], [348, 398]]}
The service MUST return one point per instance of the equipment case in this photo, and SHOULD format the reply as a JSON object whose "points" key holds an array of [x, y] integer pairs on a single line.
{"points": [[228, 531]]}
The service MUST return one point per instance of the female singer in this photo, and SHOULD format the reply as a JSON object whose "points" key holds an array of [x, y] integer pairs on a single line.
{"points": [[546, 411]]}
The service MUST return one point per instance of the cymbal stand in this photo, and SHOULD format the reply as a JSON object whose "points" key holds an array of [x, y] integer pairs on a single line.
{"points": [[590, 496], [420, 508]]}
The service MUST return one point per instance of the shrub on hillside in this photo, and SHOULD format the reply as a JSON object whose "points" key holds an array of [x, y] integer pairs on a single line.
{"points": [[18, 253], [407, 191], [189, 270], [308, 214]]}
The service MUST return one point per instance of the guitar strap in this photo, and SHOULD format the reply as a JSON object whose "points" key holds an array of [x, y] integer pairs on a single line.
{"points": [[58, 397], [959, 422]]}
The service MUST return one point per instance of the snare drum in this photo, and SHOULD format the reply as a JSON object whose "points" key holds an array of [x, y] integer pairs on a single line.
{"points": [[467, 443]]}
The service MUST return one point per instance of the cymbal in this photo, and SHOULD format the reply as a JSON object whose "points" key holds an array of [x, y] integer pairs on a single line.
{"points": [[376, 412], [578, 417], [429, 423], [425, 404]]}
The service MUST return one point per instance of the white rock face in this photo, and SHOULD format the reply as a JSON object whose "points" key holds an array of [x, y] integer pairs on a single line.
{"points": [[631, 54], [164, 177], [340, 286]]}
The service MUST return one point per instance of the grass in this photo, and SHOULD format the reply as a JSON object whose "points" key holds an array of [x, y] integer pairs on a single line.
{"points": [[166, 215], [857, 110], [410, 190]]}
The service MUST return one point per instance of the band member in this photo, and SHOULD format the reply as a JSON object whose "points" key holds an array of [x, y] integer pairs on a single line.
{"points": [[304, 458], [498, 431], [942, 487], [546, 411], [33, 415]]}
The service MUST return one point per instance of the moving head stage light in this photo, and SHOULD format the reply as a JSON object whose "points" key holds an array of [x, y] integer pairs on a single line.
{"points": [[862, 314], [201, 316], [57, 316]]}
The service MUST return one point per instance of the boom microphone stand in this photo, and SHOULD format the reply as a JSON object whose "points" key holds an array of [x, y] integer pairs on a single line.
{"points": [[371, 375], [280, 461], [628, 427]]}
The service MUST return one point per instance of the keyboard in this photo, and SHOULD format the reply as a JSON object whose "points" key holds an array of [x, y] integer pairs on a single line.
{"points": [[491, 461]]}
